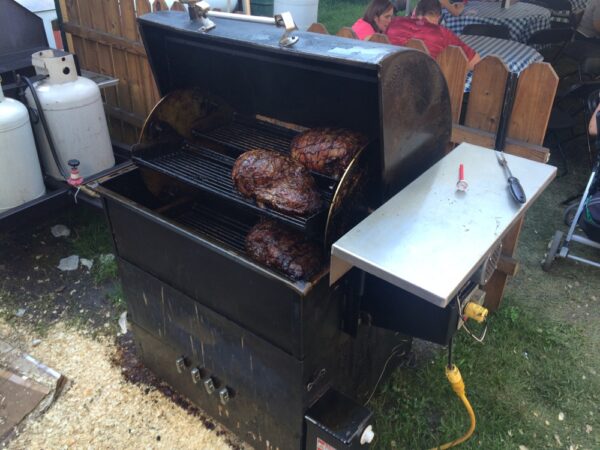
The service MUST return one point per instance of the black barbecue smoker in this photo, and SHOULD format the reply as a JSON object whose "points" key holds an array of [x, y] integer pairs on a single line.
{"points": [[283, 364]]}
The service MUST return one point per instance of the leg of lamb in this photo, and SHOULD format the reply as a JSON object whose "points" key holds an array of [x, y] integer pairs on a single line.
{"points": [[277, 181], [327, 150], [287, 251]]}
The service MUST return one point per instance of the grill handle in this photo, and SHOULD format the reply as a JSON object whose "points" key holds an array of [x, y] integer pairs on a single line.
{"points": [[200, 11]]}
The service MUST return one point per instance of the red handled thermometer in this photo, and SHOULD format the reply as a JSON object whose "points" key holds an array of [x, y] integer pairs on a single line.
{"points": [[462, 184]]}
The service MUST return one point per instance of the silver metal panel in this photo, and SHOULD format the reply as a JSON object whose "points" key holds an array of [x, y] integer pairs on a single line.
{"points": [[101, 80], [430, 238]]}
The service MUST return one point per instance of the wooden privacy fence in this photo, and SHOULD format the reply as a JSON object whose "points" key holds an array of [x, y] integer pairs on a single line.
{"points": [[105, 38], [476, 121]]}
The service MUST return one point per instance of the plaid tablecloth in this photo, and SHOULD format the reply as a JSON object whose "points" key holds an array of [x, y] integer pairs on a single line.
{"points": [[522, 19], [515, 55], [578, 5], [563, 16]]}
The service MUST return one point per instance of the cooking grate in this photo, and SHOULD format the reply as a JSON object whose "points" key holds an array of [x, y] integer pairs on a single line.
{"points": [[210, 171], [244, 134], [216, 225]]}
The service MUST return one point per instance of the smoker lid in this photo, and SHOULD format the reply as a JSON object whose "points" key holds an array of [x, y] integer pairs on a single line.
{"points": [[266, 37], [396, 96]]}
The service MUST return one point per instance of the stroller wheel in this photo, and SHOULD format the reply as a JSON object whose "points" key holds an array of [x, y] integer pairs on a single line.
{"points": [[569, 213], [553, 248]]}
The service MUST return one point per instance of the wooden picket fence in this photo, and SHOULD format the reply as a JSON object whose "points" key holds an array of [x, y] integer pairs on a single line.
{"points": [[104, 36], [476, 120]]}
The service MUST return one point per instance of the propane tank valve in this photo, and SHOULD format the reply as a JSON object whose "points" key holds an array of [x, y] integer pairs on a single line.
{"points": [[75, 179]]}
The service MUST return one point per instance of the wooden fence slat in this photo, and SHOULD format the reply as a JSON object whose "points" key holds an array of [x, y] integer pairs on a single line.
{"points": [[533, 103], [347, 32], [142, 95], [142, 7], [128, 23], [487, 94], [461, 133], [76, 44], [177, 6], [317, 28], [89, 34], [120, 66], [98, 12], [378, 37], [417, 44], [112, 17], [454, 65], [159, 5], [72, 11], [150, 89], [87, 51]]}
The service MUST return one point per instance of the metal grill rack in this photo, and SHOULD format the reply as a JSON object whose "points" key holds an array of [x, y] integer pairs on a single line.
{"points": [[216, 225], [243, 134], [210, 171]]}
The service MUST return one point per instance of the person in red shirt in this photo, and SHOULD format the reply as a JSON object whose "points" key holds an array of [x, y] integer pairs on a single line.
{"points": [[376, 19], [425, 26]]}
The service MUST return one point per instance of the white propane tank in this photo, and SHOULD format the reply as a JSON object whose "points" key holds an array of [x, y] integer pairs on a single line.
{"points": [[73, 109], [20, 172]]}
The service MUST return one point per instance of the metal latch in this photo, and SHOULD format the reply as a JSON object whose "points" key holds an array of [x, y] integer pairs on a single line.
{"points": [[200, 10], [180, 364], [196, 376], [209, 385], [286, 21], [224, 395]]}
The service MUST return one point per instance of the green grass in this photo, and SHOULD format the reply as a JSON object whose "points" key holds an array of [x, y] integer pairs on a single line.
{"points": [[117, 298], [335, 14], [529, 370], [91, 238]]}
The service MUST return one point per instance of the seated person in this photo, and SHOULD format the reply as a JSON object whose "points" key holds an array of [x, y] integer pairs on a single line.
{"points": [[456, 9], [424, 26], [376, 19], [589, 27]]}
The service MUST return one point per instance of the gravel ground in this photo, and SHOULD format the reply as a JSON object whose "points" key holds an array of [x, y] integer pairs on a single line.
{"points": [[103, 408], [68, 320]]}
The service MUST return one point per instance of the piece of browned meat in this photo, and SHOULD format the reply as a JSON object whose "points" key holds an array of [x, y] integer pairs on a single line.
{"points": [[284, 250], [327, 150], [276, 181]]}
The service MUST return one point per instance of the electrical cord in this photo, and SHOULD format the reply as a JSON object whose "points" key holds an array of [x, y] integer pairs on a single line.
{"points": [[458, 386], [393, 353]]}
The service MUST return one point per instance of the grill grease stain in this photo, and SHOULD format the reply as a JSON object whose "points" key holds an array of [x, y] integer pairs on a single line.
{"points": [[134, 371]]}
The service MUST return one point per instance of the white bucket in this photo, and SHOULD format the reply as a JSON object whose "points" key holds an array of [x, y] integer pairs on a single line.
{"points": [[304, 12]]}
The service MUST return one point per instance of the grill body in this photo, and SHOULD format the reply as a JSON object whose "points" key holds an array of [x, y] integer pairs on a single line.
{"points": [[277, 346], [283, 364]]}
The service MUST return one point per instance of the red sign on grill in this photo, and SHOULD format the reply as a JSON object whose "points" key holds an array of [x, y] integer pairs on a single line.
{"points": [[322, 445]]}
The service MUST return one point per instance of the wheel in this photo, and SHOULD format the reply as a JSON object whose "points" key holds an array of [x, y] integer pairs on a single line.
{"points": [[569, 213], [553, 248]]}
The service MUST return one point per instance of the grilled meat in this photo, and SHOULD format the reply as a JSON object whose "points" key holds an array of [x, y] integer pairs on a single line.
{"points": [[276, 181], [287, 251], [327, 150]]}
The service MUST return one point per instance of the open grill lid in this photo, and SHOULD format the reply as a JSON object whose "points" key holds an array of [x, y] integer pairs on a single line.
{"points": [[394, 95]]}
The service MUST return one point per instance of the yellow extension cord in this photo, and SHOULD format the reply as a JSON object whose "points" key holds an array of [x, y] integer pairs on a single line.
{"points": [[458, 386]]}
